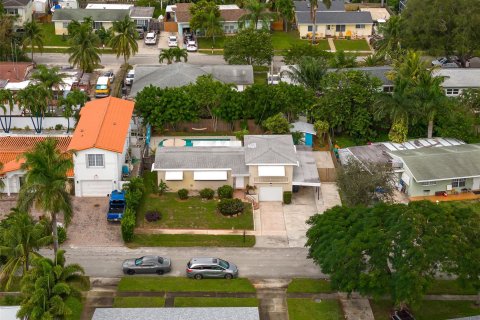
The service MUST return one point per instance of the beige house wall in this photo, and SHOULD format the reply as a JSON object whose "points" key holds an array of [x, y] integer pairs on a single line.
{"points": [[60, 29], [322, 31], [190, 184], [253, 170]]}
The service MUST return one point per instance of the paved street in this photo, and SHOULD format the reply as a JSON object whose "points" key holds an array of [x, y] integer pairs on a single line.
{"points": [[252, 262]]}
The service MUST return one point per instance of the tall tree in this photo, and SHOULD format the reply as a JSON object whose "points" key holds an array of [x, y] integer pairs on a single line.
{"points": [[45, 183], [249, 46], [105, 35], [33, 36], [21, 238], [309, 72], [83, 50], [286, 10], [33, 100], [206, 17], [390, 43], [51, 79], [6, 104], [124, 40], [313, 14], [74, 100], [257, 12], [342, 59], [173, 55]]}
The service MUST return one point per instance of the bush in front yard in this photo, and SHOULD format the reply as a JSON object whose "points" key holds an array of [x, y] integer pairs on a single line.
{"points": [[152, 216], [62, 234], [287, 197], [225, 192], [230, 207], [128, 225], [183, 194], [207, 193]]}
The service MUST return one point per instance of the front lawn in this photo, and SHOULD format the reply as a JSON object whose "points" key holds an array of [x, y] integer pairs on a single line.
{"points": [[449, 287], [190, 240], [284, 40], [193, 213], [351, 45], [438, 310], [216, 302], [138, 302], [302, 285], [207, 43], [50, 38], [175, 284], [307, 309]]}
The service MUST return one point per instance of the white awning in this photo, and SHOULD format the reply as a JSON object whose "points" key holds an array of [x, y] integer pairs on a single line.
{"points": [[271, 171], [210, 175], [174, 175]]}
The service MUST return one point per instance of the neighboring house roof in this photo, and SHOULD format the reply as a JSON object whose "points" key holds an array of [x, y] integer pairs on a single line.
{"points": [[459, 77], [141, 12], [181, 74], [15, 72], [325, 17], [443, 163], [9, 313], [228, 13], [99, 15], [378, 13], [201, 158], [15, 3], [103, 124], [304, 127], [13, 147], [270, 149], [337, 5], [231, 313]]}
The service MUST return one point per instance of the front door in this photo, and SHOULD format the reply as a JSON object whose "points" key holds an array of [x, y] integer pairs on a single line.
{"points": [[328, 31], [239, 182], [476, 183]]}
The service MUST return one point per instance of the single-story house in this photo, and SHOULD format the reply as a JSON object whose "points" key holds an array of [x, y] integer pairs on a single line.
{"points": [[226, 313], [332, 22], [12, 147], [101, 141], [181, 74], [439, 171], [102, 17], [269, 163], [22, 9], [307, 130]]}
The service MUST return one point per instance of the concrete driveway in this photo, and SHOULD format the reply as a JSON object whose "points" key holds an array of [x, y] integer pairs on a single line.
{"points": [[270, 228], [303, 206]]}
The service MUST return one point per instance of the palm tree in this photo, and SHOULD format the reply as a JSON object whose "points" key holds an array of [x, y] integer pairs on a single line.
{"points": [[124, 41], [6, 100], [341, 59], [180, 54], [173, 54], [50, 78], [33, 36], [21, 238], [389, 45], [213, 24], [313, 14], [104, 35], [83, 50], [375, 59], [33, 101], [45, 183], [75, 99], [257, 11], [286, 10], [309, 72], [46, 288]]}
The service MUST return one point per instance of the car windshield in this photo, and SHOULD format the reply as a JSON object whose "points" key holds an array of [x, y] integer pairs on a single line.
{"points": [[138, 262], [101, 86], [160, 260], [173, 39], [224, 264]]}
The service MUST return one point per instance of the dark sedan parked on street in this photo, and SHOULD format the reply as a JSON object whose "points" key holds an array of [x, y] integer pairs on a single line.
{"points": [[147, 264]]}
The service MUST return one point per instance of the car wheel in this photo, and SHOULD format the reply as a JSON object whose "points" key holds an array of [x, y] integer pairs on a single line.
{"points": [[198, 276], [228, 276], [130, 272], [160, 272]]}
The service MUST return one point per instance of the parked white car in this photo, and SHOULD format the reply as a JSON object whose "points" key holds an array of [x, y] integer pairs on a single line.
{"points": [[172, 41], [151, 38], [444, 62], [129, 78], [192, 46]]}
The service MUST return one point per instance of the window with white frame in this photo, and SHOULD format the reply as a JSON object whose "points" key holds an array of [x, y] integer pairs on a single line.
{"points": [[12, 11], [457, 183], [340, 28], [359, 26], [97, 25], [429, 183], [388, 89], [310, 28], [452, 92], [95, 160]]}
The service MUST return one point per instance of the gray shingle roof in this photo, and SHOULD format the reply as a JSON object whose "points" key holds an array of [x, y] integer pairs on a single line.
{"points": [[337, 5], [176, 314], [377, 72], [202, 158], [141, 12], [459, 78], [99, 15], [442, 163], [325, 17], [270, 149], [15, 3]]}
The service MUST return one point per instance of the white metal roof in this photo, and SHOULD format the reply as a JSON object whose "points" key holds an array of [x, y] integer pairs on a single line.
{"points": [[108, 6]]}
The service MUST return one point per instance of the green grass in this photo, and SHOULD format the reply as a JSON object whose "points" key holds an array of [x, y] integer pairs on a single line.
{"points": [[210, 53], [351, 45], [216, 302], [344, 141], [10, 300], [76, 306], [309, 286], [206, 43], [306, 309], [260, 77], [193, 213], [284, 40], [190, 240], [50, 38], [138, 302], [438, 310], [175, 284], [450, 287]]}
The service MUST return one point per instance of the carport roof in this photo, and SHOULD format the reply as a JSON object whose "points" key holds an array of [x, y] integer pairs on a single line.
{"points": [[306, 173]]}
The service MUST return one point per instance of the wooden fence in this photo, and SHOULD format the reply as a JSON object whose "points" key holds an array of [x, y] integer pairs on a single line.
{"points": [[206, 125]]}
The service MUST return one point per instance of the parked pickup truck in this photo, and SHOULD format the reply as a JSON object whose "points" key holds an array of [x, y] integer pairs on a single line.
{"points": [[116, 206]]}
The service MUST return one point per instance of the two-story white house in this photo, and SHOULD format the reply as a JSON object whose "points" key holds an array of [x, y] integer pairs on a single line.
{"points": [[22, 9], [101, 141]]}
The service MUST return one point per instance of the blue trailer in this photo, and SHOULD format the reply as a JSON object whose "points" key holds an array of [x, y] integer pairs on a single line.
{"points": [[116, 207]]}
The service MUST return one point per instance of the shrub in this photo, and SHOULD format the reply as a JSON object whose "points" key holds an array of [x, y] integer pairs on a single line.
{"points": [[207, 193], [162, 187], [287, 197], [230, 207], [225, 192], [58, 127], [128, 225], [134, 192], [183, 194], [62, 234], [152, 216]]}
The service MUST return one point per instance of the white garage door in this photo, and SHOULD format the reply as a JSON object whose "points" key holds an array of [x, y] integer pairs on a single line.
{"points": [[271, 194], [96, 188]]}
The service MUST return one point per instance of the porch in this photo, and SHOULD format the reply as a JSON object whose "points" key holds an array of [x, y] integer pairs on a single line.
{"points": [[463, 196]]}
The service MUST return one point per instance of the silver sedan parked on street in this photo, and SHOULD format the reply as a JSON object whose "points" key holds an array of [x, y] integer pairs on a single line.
{"points": [[147, 264]]}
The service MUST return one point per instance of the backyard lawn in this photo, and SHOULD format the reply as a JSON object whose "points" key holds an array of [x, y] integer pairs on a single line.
{"points": [[438, 310], [190, 240], [307, 309], [50, 38], [351, 45], [215, 302], [193, 213], [309, 286], [138, 302], [175, 284]]}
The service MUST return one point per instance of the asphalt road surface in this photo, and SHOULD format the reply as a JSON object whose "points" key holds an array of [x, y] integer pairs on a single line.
{"points": [[252, 262]]}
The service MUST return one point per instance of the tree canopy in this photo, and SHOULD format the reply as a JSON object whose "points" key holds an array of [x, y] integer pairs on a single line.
{"points": [[249, 46]]}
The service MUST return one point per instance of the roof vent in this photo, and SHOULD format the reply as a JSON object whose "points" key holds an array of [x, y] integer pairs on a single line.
{"points": [[252, 145]]}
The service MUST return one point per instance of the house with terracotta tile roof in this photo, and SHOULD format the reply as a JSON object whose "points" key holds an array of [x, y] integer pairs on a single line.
{"points": [[12, 148], [100, 144]]}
